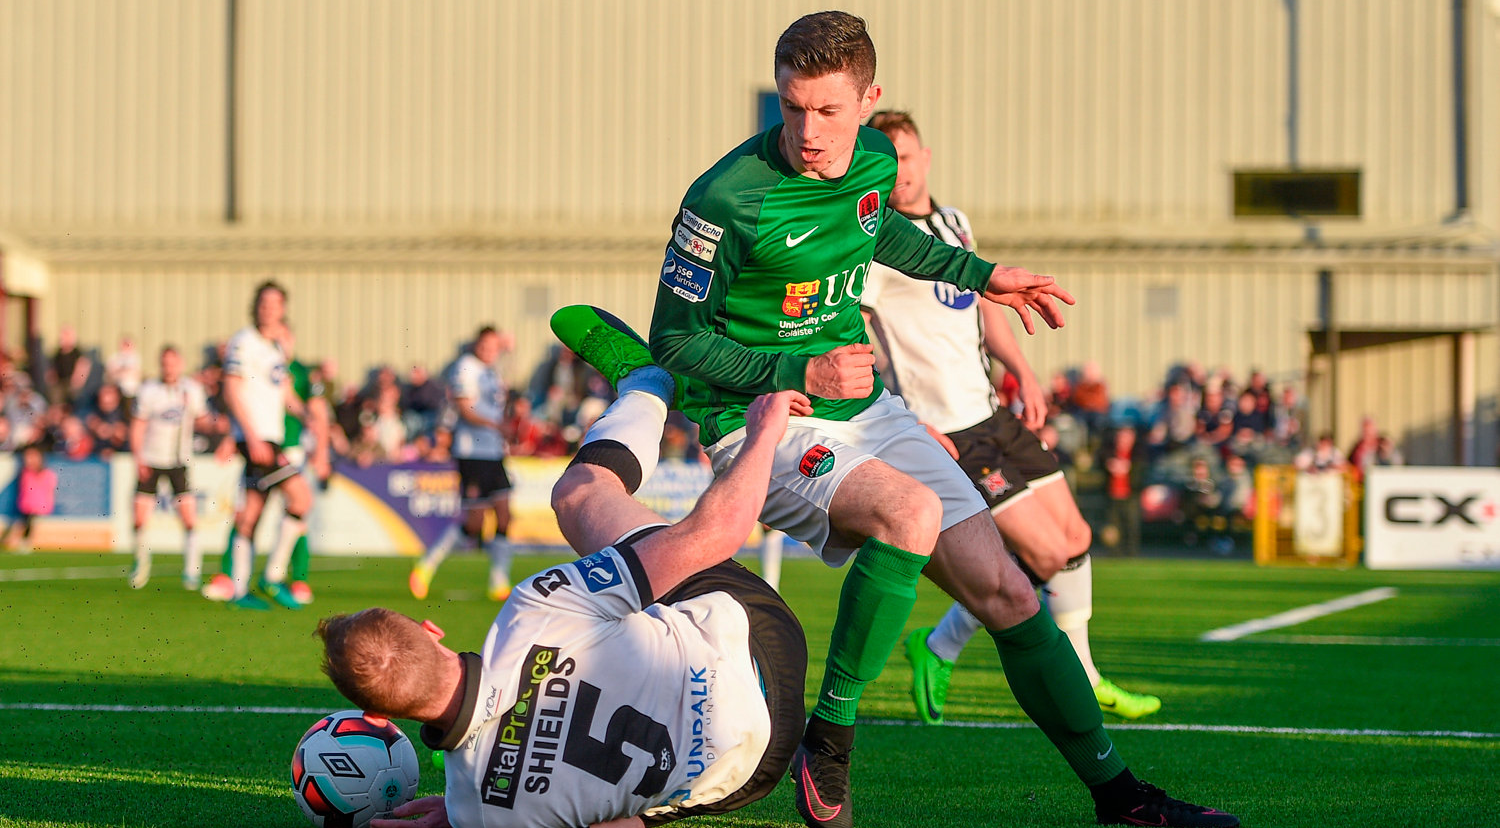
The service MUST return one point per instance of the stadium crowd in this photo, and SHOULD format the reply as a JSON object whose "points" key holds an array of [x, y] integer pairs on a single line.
{"points": [[74, 403]]}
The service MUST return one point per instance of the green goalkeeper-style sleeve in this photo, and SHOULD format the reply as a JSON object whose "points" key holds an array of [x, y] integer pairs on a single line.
{"points": [[903, 247]]}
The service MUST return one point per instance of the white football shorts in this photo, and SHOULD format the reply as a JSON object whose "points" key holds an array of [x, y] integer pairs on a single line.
{"points": [[816, 455]]}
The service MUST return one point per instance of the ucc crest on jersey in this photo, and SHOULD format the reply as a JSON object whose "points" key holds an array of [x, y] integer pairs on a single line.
{"points": [[801, 299], [869, 212]]}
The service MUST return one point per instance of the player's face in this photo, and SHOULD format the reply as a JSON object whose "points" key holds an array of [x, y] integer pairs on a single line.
{"points": [[270, 309], [822, 116], [487, 348], [171, 366], [912, 163]]}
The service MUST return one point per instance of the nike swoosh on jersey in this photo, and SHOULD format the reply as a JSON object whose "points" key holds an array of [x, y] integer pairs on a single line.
{"points": [[793, 242]]}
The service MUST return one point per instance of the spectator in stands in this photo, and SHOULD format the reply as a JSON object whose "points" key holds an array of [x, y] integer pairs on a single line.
{"points": [[523, 433], [423, 398], [558, 385], [1178, 416], [1059, 394], [1237, 489], [36, 494], [1386, 453], [72, 439], [107, 423], [1248, 413], [25, 409], [1215, 422], [1322, 456], [1091, 399], [1122, 460], [1286, 419], [1201, 498], [1261, 388], [123, 370], [68, 375], [346, 413], [390, 427], [1363, 450]]}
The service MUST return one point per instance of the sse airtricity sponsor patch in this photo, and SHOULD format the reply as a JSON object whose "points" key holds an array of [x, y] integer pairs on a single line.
{"points": [[599, 572], [686, 279], [701, 227], [704, 250]]}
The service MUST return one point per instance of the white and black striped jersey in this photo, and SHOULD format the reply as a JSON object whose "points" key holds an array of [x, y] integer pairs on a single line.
{"points": [[169, 412], [591, 703], [933, 335]]}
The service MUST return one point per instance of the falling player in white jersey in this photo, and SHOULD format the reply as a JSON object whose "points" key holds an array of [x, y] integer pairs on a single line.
{"points": [[478, 396], [939, 341], [258, 392], [161, 440], [651, 680]]}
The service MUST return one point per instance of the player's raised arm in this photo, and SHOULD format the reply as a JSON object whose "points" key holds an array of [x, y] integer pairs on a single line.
{"points": [[728, 510], [1023, 291]]}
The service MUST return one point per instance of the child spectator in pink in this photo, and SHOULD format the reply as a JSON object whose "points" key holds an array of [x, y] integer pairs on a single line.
{"points": [[36, 490]]}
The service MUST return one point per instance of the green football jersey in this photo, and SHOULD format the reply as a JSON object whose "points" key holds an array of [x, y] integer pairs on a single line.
{"points": [[765, 270], [303, 388]]}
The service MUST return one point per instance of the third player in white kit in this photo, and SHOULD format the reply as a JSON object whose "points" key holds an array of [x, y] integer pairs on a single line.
{"points": [[161, 439]]}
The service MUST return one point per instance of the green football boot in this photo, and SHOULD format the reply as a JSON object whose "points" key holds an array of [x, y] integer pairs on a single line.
{"points": [[279, 592], [249, 601], [603, 341], [929, 677], [1123, 703]]}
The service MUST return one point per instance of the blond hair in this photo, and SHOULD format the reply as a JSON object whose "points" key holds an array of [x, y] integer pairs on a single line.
{"points": [[382, 661]]}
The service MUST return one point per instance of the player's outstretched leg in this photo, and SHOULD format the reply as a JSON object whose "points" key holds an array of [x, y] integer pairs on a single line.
{"points": [[603, 341]]}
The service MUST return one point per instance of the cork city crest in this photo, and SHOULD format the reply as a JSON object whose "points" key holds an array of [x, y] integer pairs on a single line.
{"points": [[801, 299], [817, 462], [869, 212]]}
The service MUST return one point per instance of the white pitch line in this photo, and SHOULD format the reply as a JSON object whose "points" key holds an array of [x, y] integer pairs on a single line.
{"points": [[1299, 615], [64, 573], [1202, 728], [1381, 640], [1166, 728]]}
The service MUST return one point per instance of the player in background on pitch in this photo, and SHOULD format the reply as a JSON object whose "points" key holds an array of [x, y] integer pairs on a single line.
{"points": [[258, 393], [760, 292], [478, 396], [161, 440], [677, 673], [319, 461], [939, 341]]}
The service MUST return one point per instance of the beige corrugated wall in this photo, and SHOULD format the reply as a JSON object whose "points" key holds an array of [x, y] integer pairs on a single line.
{"points": [[1077, 115]]}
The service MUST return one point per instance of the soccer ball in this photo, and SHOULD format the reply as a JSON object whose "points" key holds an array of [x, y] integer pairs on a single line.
{"points": [[348, 770]]}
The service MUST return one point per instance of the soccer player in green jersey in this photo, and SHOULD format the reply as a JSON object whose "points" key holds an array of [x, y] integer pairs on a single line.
{"points": [[760, 292]]}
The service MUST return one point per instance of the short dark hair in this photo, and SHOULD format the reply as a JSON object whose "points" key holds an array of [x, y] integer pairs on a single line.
{"points": [[826, 42], [891, 121], [260, 290]]}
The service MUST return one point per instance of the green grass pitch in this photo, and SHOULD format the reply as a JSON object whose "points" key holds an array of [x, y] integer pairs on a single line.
{"points": [[1276, 726]]}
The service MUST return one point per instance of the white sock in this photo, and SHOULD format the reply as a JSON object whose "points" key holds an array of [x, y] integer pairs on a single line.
{"points": [[1069, 596], [291, 529], [500, 552], [142, 555], [948, 638], [635, 420], [242, 561], [192, 556], [433, 557]]}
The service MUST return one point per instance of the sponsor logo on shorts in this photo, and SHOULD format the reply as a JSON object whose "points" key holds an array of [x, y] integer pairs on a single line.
{"points": [[995, 483], [704, 228], [599, 572], [704, 250], [801, 299], [869, 212], [817, 462], [686, 279]]}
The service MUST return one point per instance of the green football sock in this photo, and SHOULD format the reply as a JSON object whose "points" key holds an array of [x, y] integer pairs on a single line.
{"points": [[875, 602], [1048, 681], [299, 559], [226, 561]]}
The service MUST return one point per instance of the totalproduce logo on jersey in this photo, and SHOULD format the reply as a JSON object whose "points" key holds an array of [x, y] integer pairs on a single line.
{"points": [[869, 212], [953, 296], [801, 299], [502, 777], [817, 462]]}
